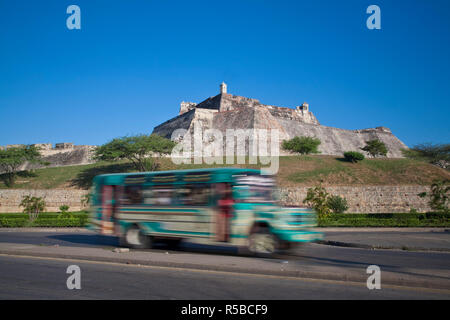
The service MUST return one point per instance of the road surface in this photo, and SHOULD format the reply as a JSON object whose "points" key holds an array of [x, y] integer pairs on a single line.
{"points": [[38, 278], [24, 277]]}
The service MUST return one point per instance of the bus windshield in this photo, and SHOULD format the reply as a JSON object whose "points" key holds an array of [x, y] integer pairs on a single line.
{"points": [[256, 188]]}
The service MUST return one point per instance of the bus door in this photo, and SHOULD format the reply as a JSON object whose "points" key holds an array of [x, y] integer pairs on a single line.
{"points": [[107, 223], [223, 212]]}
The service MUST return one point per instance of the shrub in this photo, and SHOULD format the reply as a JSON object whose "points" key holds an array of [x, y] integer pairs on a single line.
{"points": [[64, 208], [375, 148], [337, 204], [302, 145], [353, 156], [439, 196], [64, 212], [85, 199], [433, 153], [32, 206], [318, 197], [44, 220]]}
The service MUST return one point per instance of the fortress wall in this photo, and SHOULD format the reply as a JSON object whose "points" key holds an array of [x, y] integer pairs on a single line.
{"points": [[336, 141], [361, 199], [368, 199], [182, 121], [54, 198], [75, 155], [237, 119], [66, 157], [211, 103], [231, 102], [292, 114]]}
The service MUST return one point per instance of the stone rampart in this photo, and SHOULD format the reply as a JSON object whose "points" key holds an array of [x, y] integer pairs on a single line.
{"points": [[54, 198], [368, 199], [361, 199]]}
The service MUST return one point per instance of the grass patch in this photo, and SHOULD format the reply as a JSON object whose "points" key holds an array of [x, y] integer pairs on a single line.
{"points": [[320, 174], [306, 170]]}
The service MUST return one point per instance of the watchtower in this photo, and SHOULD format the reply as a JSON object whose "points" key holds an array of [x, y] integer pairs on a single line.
{"points": [[223, 88]]}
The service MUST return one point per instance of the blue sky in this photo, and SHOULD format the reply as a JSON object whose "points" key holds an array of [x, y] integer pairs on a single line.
{"points": [[133, 62]]}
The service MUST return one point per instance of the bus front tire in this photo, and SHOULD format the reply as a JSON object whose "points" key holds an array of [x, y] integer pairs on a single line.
{"points": [[263, 243], [135, 238]]}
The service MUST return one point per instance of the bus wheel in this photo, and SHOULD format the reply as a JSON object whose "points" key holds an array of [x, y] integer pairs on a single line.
{"points": [[135, 238], [263, 243]]}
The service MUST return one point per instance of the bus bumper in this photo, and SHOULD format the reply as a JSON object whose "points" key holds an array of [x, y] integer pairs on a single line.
{"points": [[299, 235]]}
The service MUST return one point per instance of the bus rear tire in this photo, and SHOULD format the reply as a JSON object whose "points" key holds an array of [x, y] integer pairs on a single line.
{"points": [[136, 239]]}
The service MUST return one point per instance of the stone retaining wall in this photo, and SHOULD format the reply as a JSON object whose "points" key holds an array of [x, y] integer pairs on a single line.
{"points": [[368, 199], [54, 198], [361, 199]]}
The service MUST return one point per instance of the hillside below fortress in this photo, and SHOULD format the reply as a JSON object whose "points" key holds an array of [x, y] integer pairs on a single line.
{"points": [[226, 111]]}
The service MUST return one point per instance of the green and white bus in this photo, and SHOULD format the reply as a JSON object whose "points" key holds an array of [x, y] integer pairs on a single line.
{"points": [[210, 206]]}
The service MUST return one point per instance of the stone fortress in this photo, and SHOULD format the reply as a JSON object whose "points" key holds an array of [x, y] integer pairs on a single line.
{"points": [[227, 111]]}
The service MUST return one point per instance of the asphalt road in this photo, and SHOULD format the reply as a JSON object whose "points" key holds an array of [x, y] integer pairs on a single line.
{"points": [[43, 278]]}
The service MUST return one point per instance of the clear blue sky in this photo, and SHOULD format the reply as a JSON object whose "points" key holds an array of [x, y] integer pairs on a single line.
{"points": [[133, 62]]}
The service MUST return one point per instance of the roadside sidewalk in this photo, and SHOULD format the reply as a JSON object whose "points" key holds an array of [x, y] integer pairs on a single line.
{"points": [[411, 239]]}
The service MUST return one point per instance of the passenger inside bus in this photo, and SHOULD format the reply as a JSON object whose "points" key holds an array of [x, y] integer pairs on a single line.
{"points": [[225, 211]]}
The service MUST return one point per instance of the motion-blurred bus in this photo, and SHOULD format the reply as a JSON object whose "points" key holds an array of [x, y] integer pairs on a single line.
{"points": [[209, 206]]}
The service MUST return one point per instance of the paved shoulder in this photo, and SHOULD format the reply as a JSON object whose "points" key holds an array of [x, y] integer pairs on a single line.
{"points": [[434, 239]]}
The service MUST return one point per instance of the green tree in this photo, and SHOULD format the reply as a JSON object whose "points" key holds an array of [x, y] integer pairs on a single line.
{"points": [[433, 153], [33, 206], [302, 145], [439, 196], [353, 156], [375, 148], [318, 198], [137, 149], [12, 159]]}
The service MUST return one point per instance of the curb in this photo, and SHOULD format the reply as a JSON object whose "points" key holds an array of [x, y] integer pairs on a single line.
{"points": [[334, 276], [371, 247]]}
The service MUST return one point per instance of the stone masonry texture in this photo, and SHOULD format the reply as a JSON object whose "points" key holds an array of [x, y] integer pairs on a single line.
{"points": [[361, 199], [54, 198]]}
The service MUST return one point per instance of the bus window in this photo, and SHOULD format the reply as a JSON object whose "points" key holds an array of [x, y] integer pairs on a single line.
{"points": [[194, 195], [160, 196], [255, 188], [132, 195]]}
